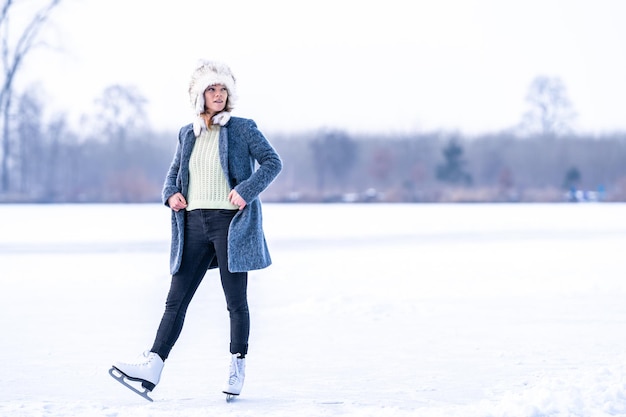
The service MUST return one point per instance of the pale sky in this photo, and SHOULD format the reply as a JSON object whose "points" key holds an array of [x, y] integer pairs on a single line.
{"points": [[358, 65]]}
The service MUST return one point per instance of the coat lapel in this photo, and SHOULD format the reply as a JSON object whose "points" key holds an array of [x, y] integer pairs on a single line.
{"points": [[188, 143], [223, 151]]}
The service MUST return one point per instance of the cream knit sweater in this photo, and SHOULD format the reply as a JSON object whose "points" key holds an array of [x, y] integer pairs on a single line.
{"points": [[208, 187]]}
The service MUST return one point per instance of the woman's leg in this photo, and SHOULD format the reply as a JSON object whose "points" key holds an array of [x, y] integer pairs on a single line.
{"points": [[197, 255], [235, 285], [235, 290]]}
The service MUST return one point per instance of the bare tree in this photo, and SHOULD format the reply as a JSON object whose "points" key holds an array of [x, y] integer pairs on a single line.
{"points": [[120, 112], [31, 168], [13, 52], [551, 112]]}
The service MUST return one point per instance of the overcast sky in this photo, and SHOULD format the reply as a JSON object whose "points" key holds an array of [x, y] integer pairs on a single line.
{"points": [[357, 65]]}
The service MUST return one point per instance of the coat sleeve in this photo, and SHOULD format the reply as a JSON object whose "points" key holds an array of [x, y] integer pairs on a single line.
{"points": [[268, 159], [172, 185]]}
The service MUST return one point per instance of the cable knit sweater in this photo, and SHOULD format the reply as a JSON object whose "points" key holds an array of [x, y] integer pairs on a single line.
{"points": [[208, 187]]}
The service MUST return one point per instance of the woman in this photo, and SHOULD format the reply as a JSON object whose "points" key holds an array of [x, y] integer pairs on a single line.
{"points": [[213, 190]]}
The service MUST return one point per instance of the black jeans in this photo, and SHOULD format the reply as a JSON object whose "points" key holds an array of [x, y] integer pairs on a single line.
{"points": [[206, 236]]}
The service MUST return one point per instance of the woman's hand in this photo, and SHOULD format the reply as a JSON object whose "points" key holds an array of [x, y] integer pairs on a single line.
{"points": [[177, 202], [236, 199]]}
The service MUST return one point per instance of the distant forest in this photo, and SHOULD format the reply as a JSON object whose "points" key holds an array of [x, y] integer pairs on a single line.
{"points": [[111, 162], [115, 157]]}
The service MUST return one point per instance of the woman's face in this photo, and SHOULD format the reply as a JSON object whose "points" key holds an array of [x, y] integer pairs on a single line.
{"points": [[215, 97]]}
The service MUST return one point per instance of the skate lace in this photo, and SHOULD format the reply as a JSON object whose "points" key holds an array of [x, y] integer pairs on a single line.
{"points": [[142, 359]]}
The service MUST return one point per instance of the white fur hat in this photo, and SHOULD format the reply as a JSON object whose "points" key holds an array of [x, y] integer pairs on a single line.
{"points": [[209, 73]]}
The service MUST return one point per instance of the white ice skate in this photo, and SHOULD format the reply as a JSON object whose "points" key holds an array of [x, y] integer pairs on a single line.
{"points": [[236, 377], [145, 369]]}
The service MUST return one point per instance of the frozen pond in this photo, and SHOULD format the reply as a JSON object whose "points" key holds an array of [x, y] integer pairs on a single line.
{"points": [[368, 310]]}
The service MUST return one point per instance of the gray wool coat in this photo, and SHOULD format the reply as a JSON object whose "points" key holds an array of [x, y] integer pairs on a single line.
{"points": [[241, 144]]}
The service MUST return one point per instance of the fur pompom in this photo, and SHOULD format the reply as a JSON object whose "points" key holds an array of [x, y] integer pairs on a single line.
{"points": [[221, 118]]}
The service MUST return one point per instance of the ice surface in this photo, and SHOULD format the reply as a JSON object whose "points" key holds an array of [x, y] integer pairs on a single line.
{"points": [[368, 310]]}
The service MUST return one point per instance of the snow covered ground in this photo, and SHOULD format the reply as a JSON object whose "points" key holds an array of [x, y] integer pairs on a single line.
{"points": [[368, 310]]}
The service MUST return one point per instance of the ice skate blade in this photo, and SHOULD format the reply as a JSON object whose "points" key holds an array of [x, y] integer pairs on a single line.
{"points": [[230, 397], [119, 377]]}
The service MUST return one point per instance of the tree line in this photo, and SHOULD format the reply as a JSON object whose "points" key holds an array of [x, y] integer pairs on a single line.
{"points": [[115, 156], [447, 167], [115, 162]]}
